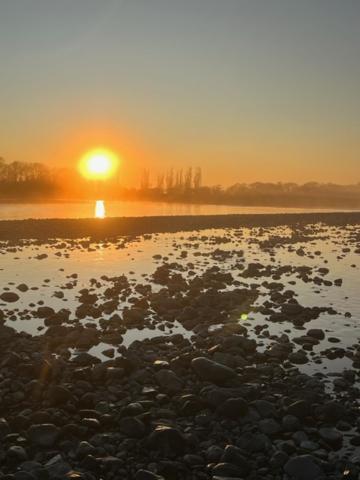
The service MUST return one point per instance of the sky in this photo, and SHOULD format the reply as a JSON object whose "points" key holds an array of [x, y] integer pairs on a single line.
{"points": [[248, 90]]}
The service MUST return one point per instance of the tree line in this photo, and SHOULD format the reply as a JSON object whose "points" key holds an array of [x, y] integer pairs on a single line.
{"points": [[186, 186], [181, 180], [25, 181]]}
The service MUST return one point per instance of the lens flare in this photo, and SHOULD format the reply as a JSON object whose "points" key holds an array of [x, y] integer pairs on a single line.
{"points": [[98, 164]]}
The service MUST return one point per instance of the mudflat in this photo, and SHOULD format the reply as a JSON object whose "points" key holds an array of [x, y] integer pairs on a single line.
{"points": [[110, 227]]}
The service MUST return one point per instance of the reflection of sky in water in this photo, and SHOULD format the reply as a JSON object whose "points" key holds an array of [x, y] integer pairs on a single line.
{"points": [[11, 211], [136, 261]]}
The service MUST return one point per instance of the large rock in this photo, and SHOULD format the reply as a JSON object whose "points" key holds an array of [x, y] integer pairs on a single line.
{"points": [[303, 467], [57, 467], [253, 442], [317, 333], [58, 394], [43, 435], [239, 342], [269, 426], [169, 381], [300, 409], [211, 371], [132, 427], [235, 456], [298, 358], [290, 423], [16, 453], [168, 440], [264, 408], [333, 410], [9, 297], [44, 312], [233, 408], [216, 396], [331, 437]]}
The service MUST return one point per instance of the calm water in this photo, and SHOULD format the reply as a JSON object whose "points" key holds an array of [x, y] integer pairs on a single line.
{"points": [[69, 267], [16, 211]]}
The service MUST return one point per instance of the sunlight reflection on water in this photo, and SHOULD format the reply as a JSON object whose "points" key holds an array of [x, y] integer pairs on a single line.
{"points": [[19, 211], [139, 259], [100, 211]]}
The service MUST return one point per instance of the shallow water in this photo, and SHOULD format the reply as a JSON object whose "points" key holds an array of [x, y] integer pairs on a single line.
{"points": [[21, 211], [69, 267]]}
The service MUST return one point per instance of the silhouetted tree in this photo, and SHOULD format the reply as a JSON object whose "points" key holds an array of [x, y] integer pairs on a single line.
{"points": [[160, 182], [23, 180], [145, 180], [169, 180], [179, 182], [188, 179], [197, 178]]}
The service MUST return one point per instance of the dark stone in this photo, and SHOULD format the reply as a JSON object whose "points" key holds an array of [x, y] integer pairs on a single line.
{"points": [[43, 435], [211, 371], [333, 410], [235, 456], [9, 297], [169, 381], [331, 437], [317, 333], [17, 454], [58, 395], [253, 442], [265, 409], [233, 408], [269, 426], [300, 409], [167, 439], [132, 427], [227, 470], [303, 467], [147, 475]]}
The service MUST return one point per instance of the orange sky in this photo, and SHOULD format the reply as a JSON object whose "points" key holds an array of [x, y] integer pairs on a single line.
{"points": [[249, 91]]}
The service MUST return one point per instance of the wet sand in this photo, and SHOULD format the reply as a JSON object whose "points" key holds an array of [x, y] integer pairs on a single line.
{"points": [[111, 227]]}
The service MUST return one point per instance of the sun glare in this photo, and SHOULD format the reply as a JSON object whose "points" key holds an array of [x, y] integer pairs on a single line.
{"points": [[98, 164], [100, 209]]}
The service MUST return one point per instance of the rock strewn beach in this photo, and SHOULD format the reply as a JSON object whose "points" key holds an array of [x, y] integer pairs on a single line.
{"points": [[212, 405]]}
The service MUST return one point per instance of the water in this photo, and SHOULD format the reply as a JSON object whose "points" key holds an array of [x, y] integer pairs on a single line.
{"points": [[69, 266], [20, 211]]}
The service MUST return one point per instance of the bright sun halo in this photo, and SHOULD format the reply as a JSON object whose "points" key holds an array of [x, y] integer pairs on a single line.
{"points": [[98, 164]]}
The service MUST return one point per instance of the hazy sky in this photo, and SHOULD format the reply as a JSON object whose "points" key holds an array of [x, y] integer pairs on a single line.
{"points": [[250, 90]]}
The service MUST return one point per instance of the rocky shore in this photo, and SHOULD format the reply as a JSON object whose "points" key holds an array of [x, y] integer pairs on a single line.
{"points": [[223, 399]]}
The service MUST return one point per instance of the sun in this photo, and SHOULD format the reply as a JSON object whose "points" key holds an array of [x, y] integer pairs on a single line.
{"points": [[98, 164]]}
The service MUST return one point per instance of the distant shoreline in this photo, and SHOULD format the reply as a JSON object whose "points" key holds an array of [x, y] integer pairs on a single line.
{"points": [[296, 208], [130, 226], [194, 202]]}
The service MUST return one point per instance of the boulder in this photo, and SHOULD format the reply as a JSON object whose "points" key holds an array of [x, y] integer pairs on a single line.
{"points": [[9, 297], [169, 381], [233, 408], [43, 435], [168, 440], [303, 467], [212, 371], [331, 436], [132, 427]]}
